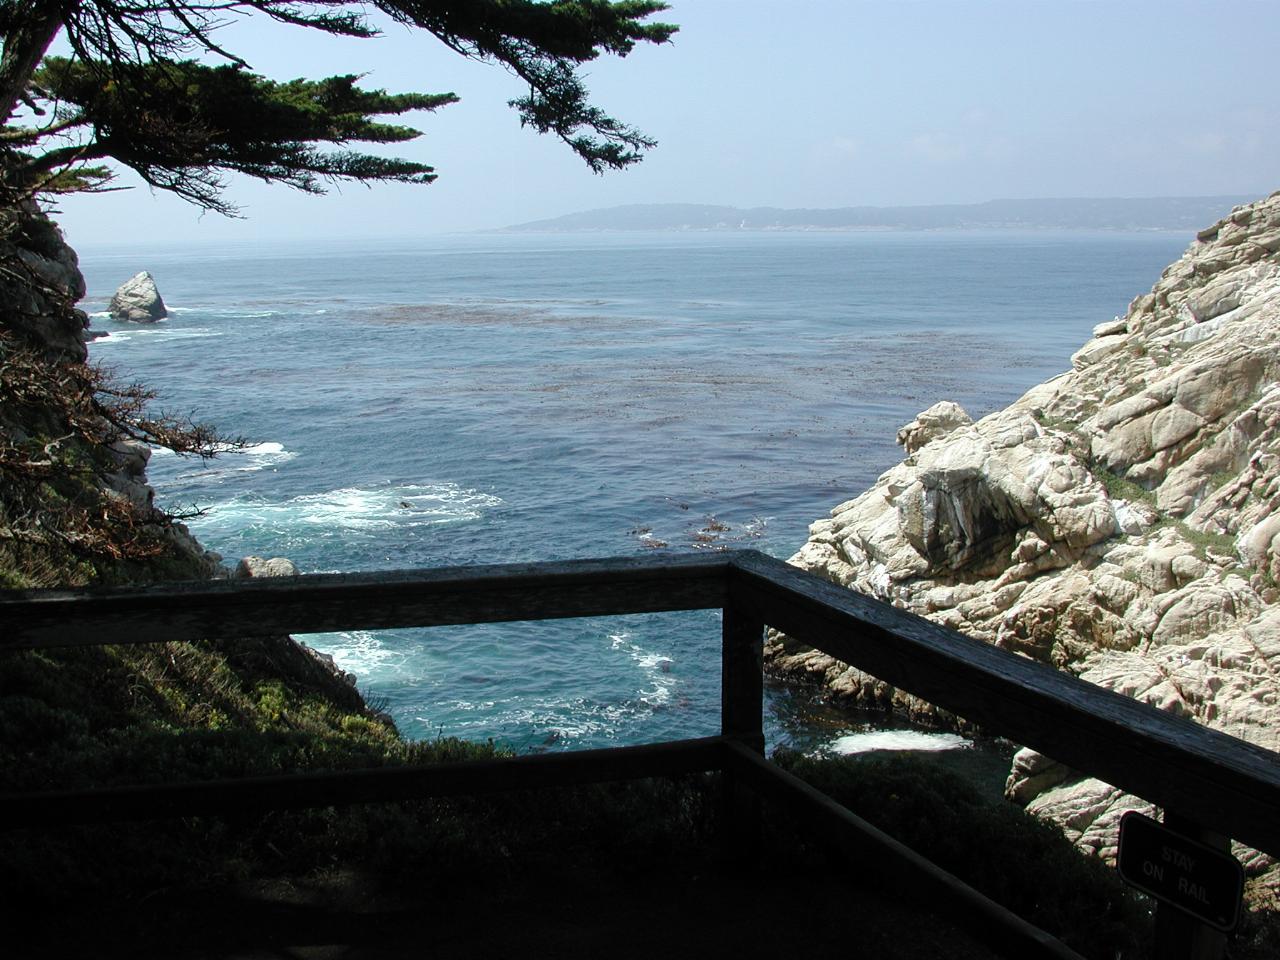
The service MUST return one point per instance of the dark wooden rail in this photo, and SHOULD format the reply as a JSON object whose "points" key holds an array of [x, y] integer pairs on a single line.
{"points": [[1207, 778], [1217, 780], [319, 603]]}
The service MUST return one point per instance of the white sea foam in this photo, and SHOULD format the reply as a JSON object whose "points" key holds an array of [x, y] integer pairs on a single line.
{"points": [[574, 719], [409, 505], [232, 460], [259, 456], [368, 655], [245, 314], [468, 706], [896, 740], [559, 720], [656, 668], [155, 332], [356, 508]]}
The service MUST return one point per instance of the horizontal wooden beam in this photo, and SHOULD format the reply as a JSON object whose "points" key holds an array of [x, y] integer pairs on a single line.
{"points": [[1215, 779], [344, 787], [880, 860], [317, 603]]}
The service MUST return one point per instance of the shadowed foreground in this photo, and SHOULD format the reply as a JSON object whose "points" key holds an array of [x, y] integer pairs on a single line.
{"points": [[775, 910], [616, 870]]}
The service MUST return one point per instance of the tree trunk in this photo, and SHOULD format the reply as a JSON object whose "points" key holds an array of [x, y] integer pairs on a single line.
{"points": [[24, 48]]}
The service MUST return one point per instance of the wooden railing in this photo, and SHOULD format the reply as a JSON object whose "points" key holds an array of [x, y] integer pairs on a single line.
{"points": [[1225, 786]]}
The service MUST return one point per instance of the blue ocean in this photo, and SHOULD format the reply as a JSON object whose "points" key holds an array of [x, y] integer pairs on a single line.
{"points": [[513, 397]]}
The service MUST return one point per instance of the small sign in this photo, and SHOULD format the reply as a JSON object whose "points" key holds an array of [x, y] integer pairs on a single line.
{"points": [[1179, 871]]}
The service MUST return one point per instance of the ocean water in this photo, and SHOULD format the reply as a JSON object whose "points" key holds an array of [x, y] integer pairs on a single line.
{"points": [[496, 398]]}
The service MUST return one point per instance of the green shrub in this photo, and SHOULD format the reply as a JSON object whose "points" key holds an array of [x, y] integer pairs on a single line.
{"points": [[1121, 488]]}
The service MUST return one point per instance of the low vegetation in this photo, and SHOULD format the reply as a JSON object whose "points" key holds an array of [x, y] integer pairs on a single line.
{"points": [[1122, 488], [176, 712]]}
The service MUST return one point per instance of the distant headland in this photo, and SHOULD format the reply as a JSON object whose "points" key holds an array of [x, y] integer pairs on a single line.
{"points": [[1143, 213]]}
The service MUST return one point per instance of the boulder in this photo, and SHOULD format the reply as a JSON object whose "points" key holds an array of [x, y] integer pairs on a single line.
{"points": [[138, 300], [253, 567]]}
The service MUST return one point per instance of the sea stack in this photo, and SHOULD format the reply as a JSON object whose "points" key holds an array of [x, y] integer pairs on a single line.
{"points": [[138, 300]]}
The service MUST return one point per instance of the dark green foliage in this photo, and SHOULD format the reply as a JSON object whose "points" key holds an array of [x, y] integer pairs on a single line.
{"points": [[132, 93], [1015, 859], [111, 715], [178, 124], [542, 44], [116, 715]]}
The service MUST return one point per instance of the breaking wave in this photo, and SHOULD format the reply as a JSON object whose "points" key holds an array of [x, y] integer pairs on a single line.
{"points": [[873, 740], [353, 508]]}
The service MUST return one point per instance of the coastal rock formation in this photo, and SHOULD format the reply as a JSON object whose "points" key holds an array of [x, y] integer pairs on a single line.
{"points": [[40, 283], [1121, 521], [138, 300], [72, 480], [250, 568]]}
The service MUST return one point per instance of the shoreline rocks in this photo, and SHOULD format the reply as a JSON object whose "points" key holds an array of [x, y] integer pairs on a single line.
{"points": [[40, 288], [43, 286], [138, 301], [1120, 522], [251, 568]]}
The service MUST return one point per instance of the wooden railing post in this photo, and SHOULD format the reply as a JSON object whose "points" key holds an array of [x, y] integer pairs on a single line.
{"points": [[741, 717]]}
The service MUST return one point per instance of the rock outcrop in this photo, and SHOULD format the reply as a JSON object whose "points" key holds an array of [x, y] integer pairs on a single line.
{"points": [[40, 284], [1121, 521], [255, 568], [72, 478], [138, 300]]}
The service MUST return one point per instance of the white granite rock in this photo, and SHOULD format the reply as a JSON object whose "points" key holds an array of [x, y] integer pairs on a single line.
{"points": [[939, 420], [254, 567], [138, 301], [1119, 521]]}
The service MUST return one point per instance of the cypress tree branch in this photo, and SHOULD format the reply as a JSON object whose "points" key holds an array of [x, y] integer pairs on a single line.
{"points": [[131, 93]]}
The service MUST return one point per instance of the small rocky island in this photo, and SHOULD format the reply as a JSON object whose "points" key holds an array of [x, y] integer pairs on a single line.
{"points": [[1120, 522], [138, 301]]}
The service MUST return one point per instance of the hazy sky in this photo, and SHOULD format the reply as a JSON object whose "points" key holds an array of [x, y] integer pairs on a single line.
{"points": [[802, 104]]}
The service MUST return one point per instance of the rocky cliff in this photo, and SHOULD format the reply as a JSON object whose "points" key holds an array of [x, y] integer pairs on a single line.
{"points": [[1121, 521], [75, 505], [75, 509]]}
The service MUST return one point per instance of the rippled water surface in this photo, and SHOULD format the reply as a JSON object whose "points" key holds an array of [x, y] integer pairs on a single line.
{"points": [[496, 398]]}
